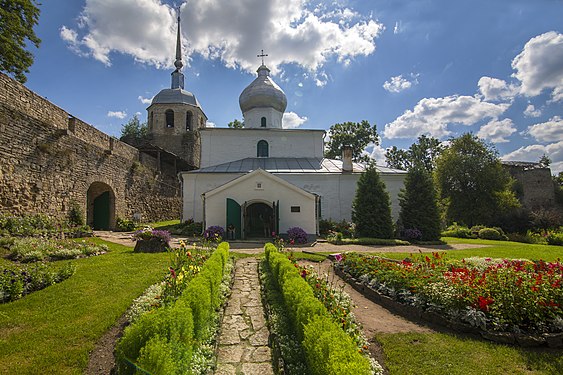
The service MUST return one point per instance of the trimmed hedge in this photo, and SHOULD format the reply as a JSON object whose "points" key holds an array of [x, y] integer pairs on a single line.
{"points": [[328, 349], [163, 340]]}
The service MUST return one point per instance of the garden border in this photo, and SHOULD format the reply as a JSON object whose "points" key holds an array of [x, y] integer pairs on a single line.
{"points": [[551, 340]]}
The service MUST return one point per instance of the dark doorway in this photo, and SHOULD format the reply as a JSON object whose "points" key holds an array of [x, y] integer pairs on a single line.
{"points": [[259, 220], [101, 206]]}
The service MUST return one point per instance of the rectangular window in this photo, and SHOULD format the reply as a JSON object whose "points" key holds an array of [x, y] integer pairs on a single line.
{"points": [[295, 208]]}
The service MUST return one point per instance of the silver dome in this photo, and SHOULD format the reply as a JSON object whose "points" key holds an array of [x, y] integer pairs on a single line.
{"points": [[175, 96], [262, 92]]}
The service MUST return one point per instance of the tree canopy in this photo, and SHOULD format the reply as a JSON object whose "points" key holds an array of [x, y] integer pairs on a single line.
{"points": [[422, 154], [236, 124], [472, 183], [357, 135], [371, 209], [134, 130], [17, 19]]}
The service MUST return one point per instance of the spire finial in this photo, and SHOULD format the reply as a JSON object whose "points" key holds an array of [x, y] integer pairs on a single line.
{"points": [[178, 63], [262, 55]]}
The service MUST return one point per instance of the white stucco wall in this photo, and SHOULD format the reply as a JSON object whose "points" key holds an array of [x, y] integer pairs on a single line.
{"points": [[253, 118], [221, 145], [270, 191], [337, 192]]}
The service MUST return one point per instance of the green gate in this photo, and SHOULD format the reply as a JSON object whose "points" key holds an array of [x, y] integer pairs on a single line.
{"points": [[101, 211], [233, 217]]}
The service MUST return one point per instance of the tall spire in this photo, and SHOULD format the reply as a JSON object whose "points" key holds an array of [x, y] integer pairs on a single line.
{"points": [[177, 75]]}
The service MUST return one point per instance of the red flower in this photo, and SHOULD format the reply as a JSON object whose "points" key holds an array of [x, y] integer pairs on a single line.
{"points": [[484, 303], [172, 272], [303, 273]]}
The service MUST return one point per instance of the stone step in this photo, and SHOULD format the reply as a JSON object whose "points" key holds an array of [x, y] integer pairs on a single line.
{"points": [[243, 341]]}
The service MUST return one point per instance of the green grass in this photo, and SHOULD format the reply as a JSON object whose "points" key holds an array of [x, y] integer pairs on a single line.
{"points": [[163, 225], [438, 353], [53, 330]]}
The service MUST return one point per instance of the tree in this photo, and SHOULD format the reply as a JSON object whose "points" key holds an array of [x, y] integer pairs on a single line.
{"points": [[236, 124], [17, 18], [419, 206], [357, 135], [545, 161], [134, 129], [423, 154], [371, 209], [473, 185]]}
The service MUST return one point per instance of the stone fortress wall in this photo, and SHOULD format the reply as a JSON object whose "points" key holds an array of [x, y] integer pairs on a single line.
{"points": [[49, 159]]}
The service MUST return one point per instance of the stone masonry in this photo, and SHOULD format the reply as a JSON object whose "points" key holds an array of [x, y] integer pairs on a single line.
{"points": [[243, 342], [50, 159]]}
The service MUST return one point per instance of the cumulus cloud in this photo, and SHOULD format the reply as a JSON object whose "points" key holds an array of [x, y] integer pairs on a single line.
{"points": [[145, 100], [117, 114], [231, 32], [399, 83], [533, 153], [433, 115], [548, 131], [377, 153], [292, 120], [496, 89], [210, 124], [540, 65], [497, 131], [531, 111]]}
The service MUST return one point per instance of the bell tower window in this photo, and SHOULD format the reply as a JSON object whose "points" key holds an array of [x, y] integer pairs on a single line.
{"points": [[262, 149], [169, 118], [263, 122], [189, 121]]}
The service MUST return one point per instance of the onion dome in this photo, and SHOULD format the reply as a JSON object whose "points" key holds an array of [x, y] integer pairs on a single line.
{"points": [[263, 92]]}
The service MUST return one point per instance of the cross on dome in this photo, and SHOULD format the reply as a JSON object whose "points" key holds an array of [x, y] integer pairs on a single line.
{"points": [[262, 55]]}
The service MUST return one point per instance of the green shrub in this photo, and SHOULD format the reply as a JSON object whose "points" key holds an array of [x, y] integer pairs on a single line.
{"points": [[555, 238], [459, 231], [75, 215], [124, 225], [492, 234], [157, 357]]}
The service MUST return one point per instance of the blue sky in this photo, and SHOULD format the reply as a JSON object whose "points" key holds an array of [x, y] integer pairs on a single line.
{"points": [[412, 67]]}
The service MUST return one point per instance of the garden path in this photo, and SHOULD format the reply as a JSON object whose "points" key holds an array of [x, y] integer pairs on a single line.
{"points": [[373, 317], [243, 341]]}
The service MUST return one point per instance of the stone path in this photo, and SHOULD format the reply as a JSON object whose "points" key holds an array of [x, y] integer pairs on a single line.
{"points": [[243, 342]]}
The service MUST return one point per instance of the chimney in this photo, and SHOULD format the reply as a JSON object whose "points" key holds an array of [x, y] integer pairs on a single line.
{"points": [[347, 159]]}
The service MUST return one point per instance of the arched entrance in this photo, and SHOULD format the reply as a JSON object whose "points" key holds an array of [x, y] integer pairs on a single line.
{"points": [[101, 206], [258, 220]]}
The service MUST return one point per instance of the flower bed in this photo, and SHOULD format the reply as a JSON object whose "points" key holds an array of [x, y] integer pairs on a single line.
{"points": [[494, 297], [328, 349], [43, 249], [18, 280], [151, 240], [178, 336]]}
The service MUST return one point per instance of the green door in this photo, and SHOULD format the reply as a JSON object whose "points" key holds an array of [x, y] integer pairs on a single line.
{"points": [[101, 211], [233, 217]]}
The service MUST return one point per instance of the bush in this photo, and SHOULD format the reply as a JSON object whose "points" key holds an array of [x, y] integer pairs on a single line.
{"points": [[328, 349], [189, 228], [545, 219], [124, 225], [555, 238], [492, 234], [347, 229], [297, 235], [38, 249], [459, 231], [214, 233], [75, 215]]}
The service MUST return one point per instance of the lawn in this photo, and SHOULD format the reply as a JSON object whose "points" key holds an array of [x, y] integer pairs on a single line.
{"points": [[53, 330]]}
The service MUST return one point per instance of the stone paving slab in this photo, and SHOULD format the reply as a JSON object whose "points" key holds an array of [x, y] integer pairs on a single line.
{"points": [[243, 342]]}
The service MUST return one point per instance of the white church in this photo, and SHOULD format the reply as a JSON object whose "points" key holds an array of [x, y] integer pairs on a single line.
{"points": [[262, 178]]}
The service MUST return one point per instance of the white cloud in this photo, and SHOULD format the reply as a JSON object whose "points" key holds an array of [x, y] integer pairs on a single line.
{"points": [[531, 111], [497, 131], [398, 28], [231, 32], [292, 120], [496, 89], [210, 124], [377, 153], [117, 114], [533, 153], [433, 115], [399, 83], [549, 131], [540, 65], [145, 100]]}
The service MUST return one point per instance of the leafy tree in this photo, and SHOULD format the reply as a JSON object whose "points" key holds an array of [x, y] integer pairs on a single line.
{"points": [[17, 18], [236, 124], [357, 135], [558, 188], [473, 185], [545, 161], [371, 209], [134, 129], [423, 154], [419, 206]]}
